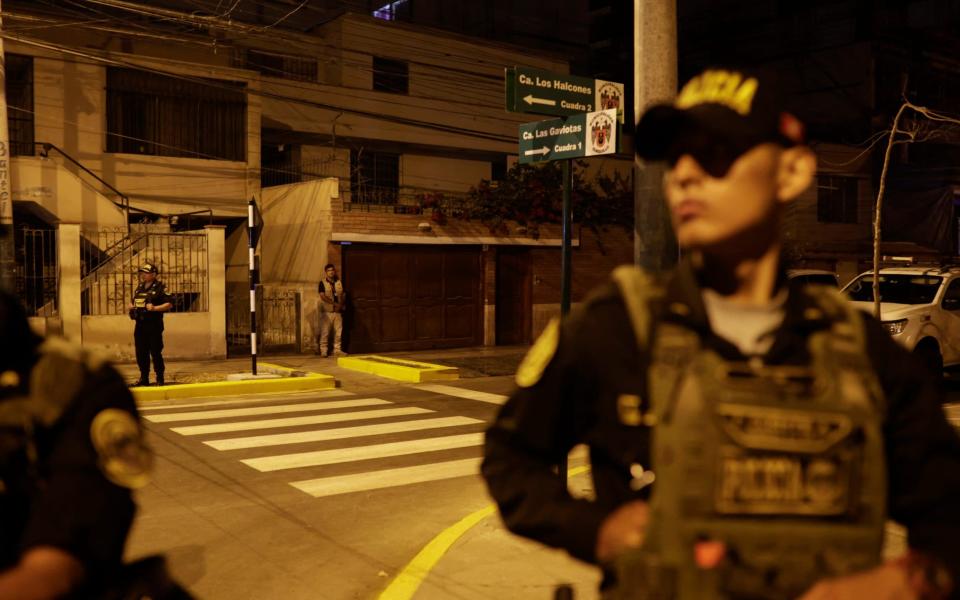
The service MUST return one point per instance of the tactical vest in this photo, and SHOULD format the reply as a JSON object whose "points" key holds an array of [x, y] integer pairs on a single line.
{"points": [[143, 296], [783, 464]]}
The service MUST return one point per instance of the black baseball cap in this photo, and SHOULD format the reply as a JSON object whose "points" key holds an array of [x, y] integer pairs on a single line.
{"points": [[148, 268], [719, 114]]}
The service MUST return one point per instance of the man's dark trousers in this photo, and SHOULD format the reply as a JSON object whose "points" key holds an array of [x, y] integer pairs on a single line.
{"points": [[148, 340]]}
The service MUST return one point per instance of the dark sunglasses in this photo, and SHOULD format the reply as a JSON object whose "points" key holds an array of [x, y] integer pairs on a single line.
{"points": [[714, 154]]}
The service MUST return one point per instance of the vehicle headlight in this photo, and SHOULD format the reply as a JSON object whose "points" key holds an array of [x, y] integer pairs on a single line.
{"points": [[895, 327]]}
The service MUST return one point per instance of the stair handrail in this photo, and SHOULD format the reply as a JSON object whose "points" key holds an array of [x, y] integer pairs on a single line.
{"points": [[124, 204]]}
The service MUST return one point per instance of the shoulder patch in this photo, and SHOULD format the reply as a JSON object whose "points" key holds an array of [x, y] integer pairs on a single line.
{"points": [[539, 356], [123, 456]]}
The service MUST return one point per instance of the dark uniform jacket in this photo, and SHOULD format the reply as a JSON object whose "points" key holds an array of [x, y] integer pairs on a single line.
{"points": [[156, 295], [74, 493], [597, 360]]}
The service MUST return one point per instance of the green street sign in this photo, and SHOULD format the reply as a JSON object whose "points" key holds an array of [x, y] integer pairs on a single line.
{"points": [[584, 134], [546, 93]]}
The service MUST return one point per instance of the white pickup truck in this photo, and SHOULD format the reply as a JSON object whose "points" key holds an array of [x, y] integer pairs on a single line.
{"points": [[920, 307]]}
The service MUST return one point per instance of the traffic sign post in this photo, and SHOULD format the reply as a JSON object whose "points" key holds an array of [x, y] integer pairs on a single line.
{"points": [[587, 134], [545, 93]]}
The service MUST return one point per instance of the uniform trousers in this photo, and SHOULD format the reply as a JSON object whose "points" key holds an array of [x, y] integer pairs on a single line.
{"points": [[148, 340]]}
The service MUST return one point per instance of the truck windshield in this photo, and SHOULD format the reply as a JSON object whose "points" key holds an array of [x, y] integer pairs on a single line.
{"points": [[897, 289]]}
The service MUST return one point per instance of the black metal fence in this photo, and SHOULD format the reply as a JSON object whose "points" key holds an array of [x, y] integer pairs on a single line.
{"points": [[110, 259], [38, 271], [278, 321]]}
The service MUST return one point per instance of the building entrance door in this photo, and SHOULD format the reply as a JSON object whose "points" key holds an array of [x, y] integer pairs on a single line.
{"points": [[513, 296]]}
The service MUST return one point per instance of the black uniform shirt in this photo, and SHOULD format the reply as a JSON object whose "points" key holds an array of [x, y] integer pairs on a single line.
{"points": [[156, 295], [597, 360], [65, 499]]}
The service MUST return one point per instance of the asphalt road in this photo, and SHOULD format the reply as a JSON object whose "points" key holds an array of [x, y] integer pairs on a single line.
{"points": [[316, 495], [330, 494]]}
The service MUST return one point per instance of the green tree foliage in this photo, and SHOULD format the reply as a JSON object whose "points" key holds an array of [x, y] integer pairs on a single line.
{"points": [[531, 195]]}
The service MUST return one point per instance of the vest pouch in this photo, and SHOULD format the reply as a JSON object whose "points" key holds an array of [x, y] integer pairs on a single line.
{"points": [[640, 575]]}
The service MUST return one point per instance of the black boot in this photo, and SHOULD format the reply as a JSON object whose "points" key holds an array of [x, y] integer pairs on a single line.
{"points": [[159, 379], [143, 381]]}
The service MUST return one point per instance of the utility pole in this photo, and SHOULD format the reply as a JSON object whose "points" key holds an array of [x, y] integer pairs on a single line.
{"points": [[7, 258], [655, 81]]}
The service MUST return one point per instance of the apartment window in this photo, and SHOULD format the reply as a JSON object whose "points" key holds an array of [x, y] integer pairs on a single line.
{"points": [[286, 67], [19, 89], [836, 199], [374, 177], [158, 115], [390, 75], [393, 11]]}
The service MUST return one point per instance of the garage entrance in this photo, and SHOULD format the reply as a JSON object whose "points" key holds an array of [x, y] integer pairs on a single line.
{"points": [[406, 297]]}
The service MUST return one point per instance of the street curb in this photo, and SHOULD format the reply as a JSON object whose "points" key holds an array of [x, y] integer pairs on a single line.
{"points": [[400, 369], [295, 381]]}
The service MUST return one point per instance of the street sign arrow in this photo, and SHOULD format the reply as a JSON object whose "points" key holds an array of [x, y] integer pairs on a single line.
{"points": [[542, 151], [531, 99], [543, 92], [585, 134]]}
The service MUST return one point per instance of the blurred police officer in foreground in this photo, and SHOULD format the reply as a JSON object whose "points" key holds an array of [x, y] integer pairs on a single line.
{"points": [[71, 450], [779, 428], [150, 301]]}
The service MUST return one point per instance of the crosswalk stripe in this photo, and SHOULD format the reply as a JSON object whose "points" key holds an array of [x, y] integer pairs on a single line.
{"points": [[299, 437], [375, 480], [332, 457], [255, 400], [295, 421], [262, 410], [449, 390]]}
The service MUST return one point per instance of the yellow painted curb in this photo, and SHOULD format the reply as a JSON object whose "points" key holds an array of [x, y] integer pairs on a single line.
{"points": [[399, 368], [408, 581], [304, 383]]}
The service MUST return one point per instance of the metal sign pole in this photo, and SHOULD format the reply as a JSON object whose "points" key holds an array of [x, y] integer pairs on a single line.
{"points": [[252, 245], [565, 267]]}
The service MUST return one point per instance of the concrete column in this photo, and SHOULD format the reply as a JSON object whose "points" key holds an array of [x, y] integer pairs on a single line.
{"points": [[655, 81], [68, 258], [217, 290]]}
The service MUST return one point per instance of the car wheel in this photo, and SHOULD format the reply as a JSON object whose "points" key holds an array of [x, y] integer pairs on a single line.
{"points": [[930, 356]]}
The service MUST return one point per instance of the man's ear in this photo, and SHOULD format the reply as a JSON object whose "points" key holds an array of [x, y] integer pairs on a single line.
{"points": [[798, 167]]}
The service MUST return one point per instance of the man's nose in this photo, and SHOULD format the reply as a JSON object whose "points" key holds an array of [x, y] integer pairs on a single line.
{"points": [[686, 172]]}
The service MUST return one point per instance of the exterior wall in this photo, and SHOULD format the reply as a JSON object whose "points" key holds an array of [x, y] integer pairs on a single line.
{"points": [[432, 172], [296, 233], [185, 336], [591, 264], [49, 184], [70, 104], [831, 245]]}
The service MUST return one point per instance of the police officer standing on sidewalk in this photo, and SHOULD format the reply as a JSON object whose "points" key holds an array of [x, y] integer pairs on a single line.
{"points": [[748, 438], [150, 301]]}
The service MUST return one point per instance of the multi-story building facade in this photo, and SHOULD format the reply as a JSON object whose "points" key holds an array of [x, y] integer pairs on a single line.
{"points": [[344, 134]]}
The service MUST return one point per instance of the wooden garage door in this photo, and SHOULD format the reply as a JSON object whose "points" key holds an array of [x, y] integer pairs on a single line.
{"points": [[412, 297]]}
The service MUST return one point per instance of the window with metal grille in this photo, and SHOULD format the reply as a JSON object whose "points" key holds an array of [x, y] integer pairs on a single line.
{"points": [[390, 75], [283, 66], [836, 199], [374, 177], [19, 89], [158, 115]]}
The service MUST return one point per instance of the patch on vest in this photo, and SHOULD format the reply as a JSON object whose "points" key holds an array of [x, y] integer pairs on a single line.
{"points": [[531, 369], [783, 484], [123, 456], [772, 428]]}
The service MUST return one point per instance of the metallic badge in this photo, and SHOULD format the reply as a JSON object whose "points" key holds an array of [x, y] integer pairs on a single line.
{"points": [[124, 458], [539, 356]]}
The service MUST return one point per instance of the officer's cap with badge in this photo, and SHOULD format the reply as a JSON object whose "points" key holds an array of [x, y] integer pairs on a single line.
{"points": [[148, 268], [717, 116]]}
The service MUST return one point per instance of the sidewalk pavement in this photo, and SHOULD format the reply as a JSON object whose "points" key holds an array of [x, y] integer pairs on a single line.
{"points": [[473, 362]]}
